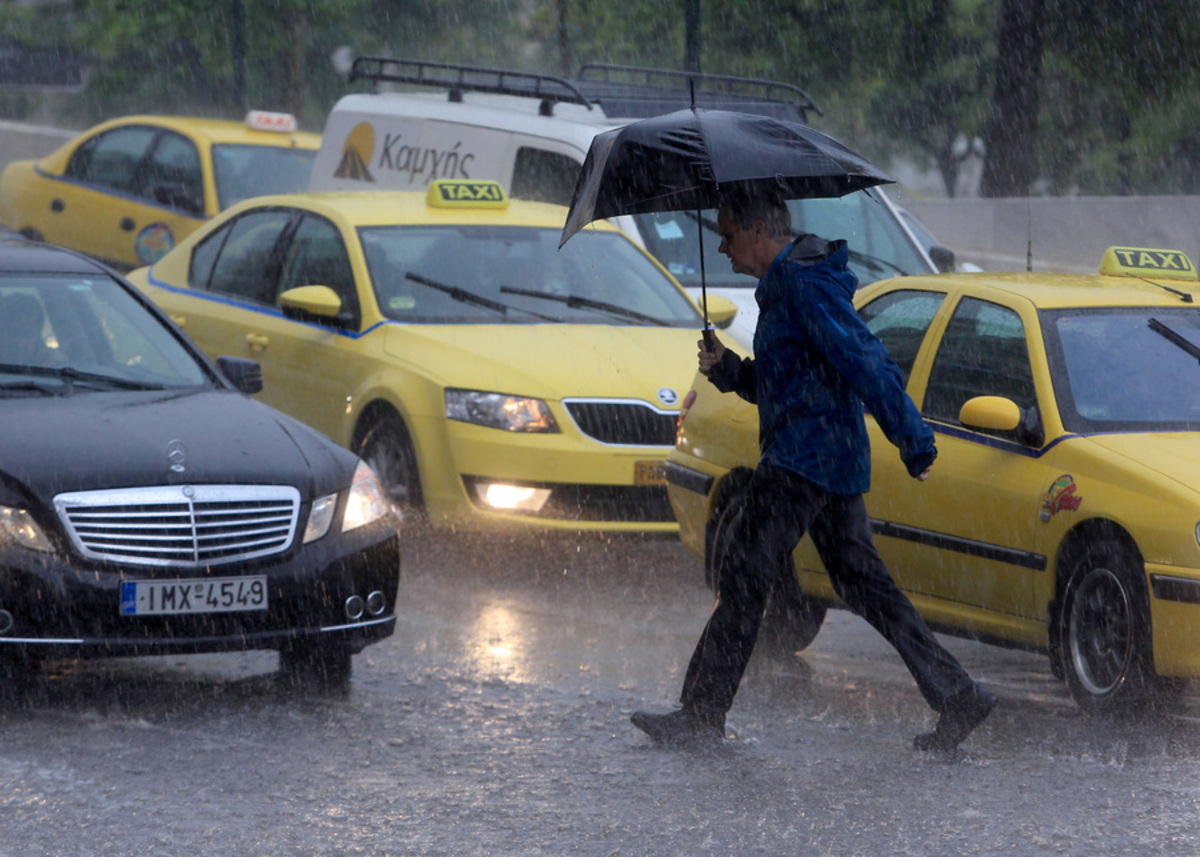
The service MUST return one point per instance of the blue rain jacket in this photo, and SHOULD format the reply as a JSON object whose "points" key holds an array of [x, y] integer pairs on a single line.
{"points": [[816, 363]]}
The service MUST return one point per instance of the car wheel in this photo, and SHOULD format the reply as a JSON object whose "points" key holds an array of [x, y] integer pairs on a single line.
{"points": [[316, 666], [791, 619], [1105, 630], [387, 448]]}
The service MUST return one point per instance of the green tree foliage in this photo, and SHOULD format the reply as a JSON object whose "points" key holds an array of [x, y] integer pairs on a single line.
{"points": [[912, 79]]}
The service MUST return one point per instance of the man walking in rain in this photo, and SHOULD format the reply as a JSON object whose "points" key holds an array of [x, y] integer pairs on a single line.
{"points": [[816, 363]]}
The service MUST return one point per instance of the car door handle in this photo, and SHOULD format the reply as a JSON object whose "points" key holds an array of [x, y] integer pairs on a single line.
{"points": [[257, 341], [127, 224], [57, 205], [180, 320]]}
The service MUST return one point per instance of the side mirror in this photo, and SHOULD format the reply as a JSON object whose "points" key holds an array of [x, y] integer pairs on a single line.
{"points": [[943, 259], [721, 311], [992, 413], [243, 374], [320, 301]]}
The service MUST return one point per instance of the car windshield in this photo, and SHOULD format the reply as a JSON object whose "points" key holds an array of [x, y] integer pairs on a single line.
{"points": [[242, 171], [1126, 369], [66, 333], [879, 247], [517, 275]]}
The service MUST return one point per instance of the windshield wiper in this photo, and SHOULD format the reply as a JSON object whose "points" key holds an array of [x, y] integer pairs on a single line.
{"points": [[1174, 338], [24, 388], [574, 302], [71, 376], [460, 294]]}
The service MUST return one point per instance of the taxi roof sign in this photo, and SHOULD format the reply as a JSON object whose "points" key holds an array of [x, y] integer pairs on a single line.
{"points": [[265, 120], [462, 193], [1147, 262]]}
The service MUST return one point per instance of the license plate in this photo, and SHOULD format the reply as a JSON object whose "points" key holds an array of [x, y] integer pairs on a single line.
{"points": [[196, 595], [649, 473]]}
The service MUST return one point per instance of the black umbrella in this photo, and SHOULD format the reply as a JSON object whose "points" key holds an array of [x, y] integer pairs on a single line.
{"points": [[683, 160]]}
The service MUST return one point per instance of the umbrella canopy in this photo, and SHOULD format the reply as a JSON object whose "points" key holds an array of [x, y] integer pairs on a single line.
{"points": [[680, 161]]}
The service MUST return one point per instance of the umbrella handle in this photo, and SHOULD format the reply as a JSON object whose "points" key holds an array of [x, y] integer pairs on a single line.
{"points": [[707, 333]]}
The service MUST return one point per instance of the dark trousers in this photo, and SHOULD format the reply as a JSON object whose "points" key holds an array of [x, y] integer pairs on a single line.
{"points": [[780, 508]]}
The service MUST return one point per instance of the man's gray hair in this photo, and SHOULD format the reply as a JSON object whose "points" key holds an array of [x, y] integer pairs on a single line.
{"points": [[747, 206]]}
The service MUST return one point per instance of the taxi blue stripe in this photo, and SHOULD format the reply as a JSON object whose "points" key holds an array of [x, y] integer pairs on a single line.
{"points": [[128, 197], [257, 308]]}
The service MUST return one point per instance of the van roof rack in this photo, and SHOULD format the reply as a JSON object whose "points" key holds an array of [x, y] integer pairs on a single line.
{"points": [[465, 78], [636, 92]]}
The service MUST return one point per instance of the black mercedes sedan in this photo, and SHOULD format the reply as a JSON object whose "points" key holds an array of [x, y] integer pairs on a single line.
{"points": [[148, 505]]}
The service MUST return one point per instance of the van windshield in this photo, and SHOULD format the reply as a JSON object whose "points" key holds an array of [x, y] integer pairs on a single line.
{"points": [[879, 247], [517, 275]]}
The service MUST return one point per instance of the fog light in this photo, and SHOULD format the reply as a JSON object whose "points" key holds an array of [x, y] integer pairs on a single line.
{"points": [[518, 498], [376, 603], [354, 607]]}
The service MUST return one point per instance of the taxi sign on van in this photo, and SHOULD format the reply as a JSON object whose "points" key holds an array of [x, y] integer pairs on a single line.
{"points": [[265, 120], [1148, 262], [461, 193]]}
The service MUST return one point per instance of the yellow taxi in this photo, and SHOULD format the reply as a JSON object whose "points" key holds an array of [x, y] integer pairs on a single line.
{"points": [[127, 190], [490, 378], [1063, 513]]}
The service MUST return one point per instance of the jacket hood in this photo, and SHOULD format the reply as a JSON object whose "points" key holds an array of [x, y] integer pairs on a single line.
{"points": [[91, 441]]}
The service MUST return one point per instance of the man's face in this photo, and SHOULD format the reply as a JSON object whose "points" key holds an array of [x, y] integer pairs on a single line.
{"points": [[736, 243]]}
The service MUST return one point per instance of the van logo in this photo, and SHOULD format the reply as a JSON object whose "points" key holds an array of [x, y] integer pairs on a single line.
{"points": [[356, 154]]}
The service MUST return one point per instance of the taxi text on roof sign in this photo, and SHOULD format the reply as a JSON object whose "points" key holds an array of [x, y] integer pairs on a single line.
{"points": [[1147, 262], [456, 193], [265, 120]]}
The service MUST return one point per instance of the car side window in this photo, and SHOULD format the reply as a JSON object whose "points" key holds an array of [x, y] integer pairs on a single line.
{"points": [[172, 174], [317, 257], [982, 353], [900, 320], [111, 159], [544, 176], [247, 262]]}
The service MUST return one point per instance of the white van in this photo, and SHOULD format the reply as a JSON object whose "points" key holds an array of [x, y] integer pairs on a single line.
{"points": [[531, 133]]}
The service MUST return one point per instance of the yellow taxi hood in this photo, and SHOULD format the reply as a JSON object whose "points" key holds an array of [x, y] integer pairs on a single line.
{"points": [[552, 361], [1174, 456]]}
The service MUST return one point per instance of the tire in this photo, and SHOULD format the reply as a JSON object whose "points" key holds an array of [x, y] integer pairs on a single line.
{"points": [[316, 666], [1105, 631], [386, 446], [791, 620]]}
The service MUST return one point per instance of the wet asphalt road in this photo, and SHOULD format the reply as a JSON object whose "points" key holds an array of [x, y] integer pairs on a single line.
{"points": [[495, 722]]}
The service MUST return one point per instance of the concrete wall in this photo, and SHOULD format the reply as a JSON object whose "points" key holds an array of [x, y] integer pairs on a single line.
{"points": [[1068, 233], [19, 141]]}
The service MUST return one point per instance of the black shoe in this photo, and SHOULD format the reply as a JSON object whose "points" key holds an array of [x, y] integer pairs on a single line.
{"points": [[961, 715], [681, 727]]}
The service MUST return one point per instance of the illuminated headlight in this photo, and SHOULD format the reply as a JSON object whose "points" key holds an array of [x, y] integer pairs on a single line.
{"points": [[496, 410], [516, 498], [366, 502], [18, 527]]}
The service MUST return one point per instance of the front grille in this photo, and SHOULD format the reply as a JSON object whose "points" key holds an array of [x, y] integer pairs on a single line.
{"points": [[630, 423], [182, 526]]}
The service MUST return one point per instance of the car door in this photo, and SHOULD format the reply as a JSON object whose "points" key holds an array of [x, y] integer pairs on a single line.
{"points": [[966, 537], [106, 207], [314, 362]]}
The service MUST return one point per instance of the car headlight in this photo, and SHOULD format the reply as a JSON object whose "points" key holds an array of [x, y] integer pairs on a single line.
{"points": [[366, 502], [497, 410], [18, 527], [320, 517]]}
